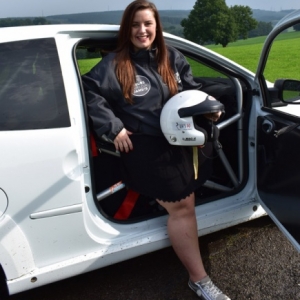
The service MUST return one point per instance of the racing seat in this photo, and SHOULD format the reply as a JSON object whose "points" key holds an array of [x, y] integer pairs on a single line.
{"points": [[117, 201]]}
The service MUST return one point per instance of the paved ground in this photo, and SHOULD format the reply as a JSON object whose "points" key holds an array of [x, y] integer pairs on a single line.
{"points": [[250, 261]]}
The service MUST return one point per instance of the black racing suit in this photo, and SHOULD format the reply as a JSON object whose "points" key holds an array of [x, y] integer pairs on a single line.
{"points": [[107, 107]]}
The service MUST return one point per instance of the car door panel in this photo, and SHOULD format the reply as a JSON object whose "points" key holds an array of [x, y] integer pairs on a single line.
{"points": [[278, 172], [278, 131]]}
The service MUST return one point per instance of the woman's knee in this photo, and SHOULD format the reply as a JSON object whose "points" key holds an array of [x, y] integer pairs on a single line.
{"points": [[182, 207]]}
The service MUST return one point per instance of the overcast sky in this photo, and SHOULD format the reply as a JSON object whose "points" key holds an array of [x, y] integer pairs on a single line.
{"points": [[37, 8]]}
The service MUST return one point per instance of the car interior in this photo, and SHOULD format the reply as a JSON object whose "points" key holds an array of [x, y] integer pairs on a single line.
{"points": [[222, 163]]}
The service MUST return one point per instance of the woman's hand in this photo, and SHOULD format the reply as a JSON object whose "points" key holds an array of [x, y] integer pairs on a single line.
{"points": [[213, 116], [122, 141]]}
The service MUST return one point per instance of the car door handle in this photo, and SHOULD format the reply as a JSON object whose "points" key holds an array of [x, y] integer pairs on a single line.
{"points": [[286, 129]]}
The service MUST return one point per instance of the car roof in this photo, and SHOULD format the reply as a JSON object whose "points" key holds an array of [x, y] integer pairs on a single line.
{"points": [[8, 34]]}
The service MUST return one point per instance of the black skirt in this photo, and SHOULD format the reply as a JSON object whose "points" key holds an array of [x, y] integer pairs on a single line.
{"points": [[155, 168]]}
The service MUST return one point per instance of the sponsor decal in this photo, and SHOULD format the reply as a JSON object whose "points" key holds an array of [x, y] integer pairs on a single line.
{"points": [[189, 139], [142, 86], [183, 126]]}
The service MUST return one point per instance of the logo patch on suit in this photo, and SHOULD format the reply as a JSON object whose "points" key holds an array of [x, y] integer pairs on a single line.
{"points": [[177, 76], [142, 86]]}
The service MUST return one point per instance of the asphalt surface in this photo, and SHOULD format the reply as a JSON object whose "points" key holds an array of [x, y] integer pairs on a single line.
{"points": [[249, 261]]}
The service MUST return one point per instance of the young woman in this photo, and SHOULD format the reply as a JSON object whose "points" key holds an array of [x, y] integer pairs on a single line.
{"points": [[125, 94]]}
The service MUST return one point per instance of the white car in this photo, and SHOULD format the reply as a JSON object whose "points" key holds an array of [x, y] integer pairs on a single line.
{"points": [[63, 209]]}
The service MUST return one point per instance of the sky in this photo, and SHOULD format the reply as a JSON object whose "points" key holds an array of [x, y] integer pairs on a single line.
{"points": [[43, 8]]}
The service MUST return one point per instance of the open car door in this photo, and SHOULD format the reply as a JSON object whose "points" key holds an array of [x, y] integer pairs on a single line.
{"points": [[278, 128]]}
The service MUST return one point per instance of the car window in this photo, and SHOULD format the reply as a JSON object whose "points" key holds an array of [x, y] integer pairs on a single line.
{"points": [[284, 58], [88, 58], [32, 94], [213, 82], [282, 67], [201, 70]]}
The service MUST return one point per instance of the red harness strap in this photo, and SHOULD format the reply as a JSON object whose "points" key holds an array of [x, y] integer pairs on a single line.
{"points": [[127, 206], [94, 146]]}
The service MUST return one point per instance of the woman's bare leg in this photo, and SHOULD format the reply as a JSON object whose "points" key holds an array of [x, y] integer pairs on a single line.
{"points": [[182, 230]]}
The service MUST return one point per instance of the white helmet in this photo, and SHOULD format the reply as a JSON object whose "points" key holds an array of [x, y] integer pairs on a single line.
{"points": [[182, 121]]}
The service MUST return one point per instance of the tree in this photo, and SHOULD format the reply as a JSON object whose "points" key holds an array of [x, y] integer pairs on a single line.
{"points": [[243, 20], [207, 21], [176, 30], [297, 27], [226, 33], [262, 28], [40, 21], [214, 21]]}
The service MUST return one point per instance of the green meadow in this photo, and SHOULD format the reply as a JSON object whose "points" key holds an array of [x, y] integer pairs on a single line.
{"points": [[283, 61], [86, 64]]}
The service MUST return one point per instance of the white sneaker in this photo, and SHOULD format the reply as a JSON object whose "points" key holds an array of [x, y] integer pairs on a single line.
{"points": [[206, 289]]}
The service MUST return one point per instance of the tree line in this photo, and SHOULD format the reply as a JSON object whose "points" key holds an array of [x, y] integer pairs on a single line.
{"points": [[212, 21], [12, 22]]}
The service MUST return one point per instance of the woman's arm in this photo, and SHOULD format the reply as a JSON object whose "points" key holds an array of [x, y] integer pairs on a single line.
{"points": [[100, 112]]}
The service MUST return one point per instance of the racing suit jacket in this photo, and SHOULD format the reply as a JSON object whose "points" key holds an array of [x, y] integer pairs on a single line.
{"points": [[107, 107]]}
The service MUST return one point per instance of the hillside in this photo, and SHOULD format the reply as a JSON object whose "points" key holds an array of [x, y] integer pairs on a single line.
{"points": [[168, 17], [114, 17], [269, 16]]}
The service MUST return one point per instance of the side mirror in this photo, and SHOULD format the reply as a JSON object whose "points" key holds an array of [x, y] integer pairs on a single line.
{"points": [[288, 90]]}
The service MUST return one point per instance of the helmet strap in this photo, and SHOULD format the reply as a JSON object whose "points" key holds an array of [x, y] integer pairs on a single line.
{"points": [[195, 161]]}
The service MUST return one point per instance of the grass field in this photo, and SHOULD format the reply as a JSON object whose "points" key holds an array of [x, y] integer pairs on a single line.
{"points": [[86, 64], [283, 61]]}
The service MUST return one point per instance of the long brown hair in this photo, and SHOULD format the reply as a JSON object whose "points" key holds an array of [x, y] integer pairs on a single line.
{"points": [[125, 70]]}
